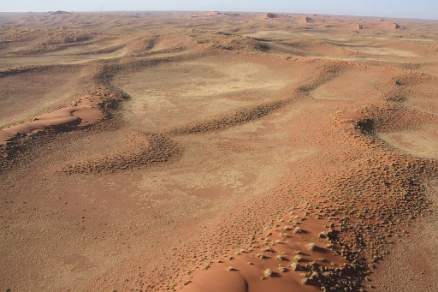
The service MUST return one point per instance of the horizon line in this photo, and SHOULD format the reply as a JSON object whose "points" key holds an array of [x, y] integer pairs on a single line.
{"points": [[234, 11]]}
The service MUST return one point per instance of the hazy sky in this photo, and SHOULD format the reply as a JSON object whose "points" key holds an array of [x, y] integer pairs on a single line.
{"points": [[396, 8]]}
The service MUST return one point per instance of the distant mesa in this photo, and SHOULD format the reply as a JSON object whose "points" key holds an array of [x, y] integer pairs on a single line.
{"points": [[212, 14], [359, 26], [59, 12], [305, 20], [388, 25], [395, 25], [230, 14], [380, 25], [272, 15]]}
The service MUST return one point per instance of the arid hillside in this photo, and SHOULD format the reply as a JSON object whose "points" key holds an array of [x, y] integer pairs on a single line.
{"points": [[214, 151]]}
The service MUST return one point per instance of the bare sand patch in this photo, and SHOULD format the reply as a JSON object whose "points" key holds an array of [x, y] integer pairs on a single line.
{"points": [[354, 84], [423, 97], [198, 89], [43, 92], [382, 51], [411, 266], [271, 34], [422, 142]]}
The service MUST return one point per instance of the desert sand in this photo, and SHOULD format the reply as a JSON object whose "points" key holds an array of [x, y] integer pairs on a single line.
{"points": [[216, 151]]}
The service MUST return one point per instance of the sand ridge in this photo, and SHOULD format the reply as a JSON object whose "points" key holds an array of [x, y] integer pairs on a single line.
{"points": [[160, 148]]}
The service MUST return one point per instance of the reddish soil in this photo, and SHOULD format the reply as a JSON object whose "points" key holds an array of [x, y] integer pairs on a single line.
{"points": [[217, 152]]}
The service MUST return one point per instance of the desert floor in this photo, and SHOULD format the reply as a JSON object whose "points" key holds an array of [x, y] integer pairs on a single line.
{"points": [[217, 152]]}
